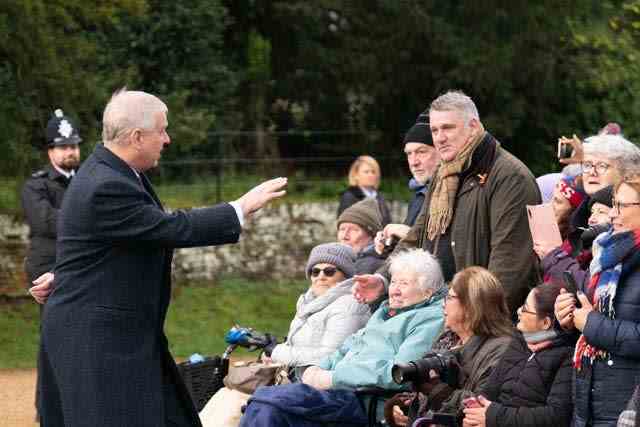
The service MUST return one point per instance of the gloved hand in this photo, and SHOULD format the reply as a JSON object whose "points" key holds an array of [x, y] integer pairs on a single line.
{"points": [[271, 342]]}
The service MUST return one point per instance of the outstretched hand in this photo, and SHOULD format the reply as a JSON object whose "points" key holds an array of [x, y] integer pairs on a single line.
{"points": [[262, 194], [367, 288], [42, 287]]}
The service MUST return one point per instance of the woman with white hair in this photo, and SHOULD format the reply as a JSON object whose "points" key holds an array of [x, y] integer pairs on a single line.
{"points": [[605, 160], [398, 332]]}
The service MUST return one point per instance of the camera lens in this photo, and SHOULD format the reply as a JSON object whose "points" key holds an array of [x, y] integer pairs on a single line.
{"points": [[404, 373]]}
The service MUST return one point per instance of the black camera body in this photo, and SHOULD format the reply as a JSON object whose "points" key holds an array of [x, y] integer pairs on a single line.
{"points": [[445, 363], [389, 245]]}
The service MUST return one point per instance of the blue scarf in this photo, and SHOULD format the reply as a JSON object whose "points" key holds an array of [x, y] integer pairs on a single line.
{"points": [[609, 252]]}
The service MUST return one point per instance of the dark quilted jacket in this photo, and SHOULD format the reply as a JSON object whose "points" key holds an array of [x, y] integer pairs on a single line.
{"points": [[531, 389], [603, 389]]}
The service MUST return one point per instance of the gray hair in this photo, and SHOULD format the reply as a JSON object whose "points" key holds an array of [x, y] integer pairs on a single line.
{"points": [[423, 264], [572, 170], [616, 149], [128, 110], [456, 100]]}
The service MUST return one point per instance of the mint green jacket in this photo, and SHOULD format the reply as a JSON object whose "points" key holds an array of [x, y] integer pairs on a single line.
{"points": [[366, 357]]}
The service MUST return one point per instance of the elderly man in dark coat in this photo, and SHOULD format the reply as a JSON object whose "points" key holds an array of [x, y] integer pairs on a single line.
{"points": [[104, 356]]}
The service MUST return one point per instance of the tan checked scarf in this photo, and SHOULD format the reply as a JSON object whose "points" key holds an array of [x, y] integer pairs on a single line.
{"points": [[446, 186]]}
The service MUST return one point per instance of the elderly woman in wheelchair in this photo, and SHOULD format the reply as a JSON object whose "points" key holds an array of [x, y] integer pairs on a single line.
{"points": [[326, 314], [398, 332]]}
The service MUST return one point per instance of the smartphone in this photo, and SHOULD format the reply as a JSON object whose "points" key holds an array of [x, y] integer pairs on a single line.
{"points": [[564, 150], [571, 286]]}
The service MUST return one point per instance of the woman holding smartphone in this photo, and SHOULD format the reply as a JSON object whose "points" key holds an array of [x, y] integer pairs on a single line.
{"points": [[607, 357], [531, 385]]}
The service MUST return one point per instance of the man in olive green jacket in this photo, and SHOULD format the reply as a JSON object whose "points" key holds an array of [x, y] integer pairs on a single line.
{"points": [[475, 210]]}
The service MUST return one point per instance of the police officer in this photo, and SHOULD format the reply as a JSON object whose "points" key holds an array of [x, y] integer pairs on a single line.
{"points": [[42, 196], [43, 191]]}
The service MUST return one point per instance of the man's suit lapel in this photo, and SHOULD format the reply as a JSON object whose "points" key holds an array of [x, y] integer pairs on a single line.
{"points": [[149, 188]]}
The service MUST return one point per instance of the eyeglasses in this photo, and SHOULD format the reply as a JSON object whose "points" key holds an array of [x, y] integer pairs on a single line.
{"points": [[523, 309], [618, 205], [328, 271], [600, 167]]}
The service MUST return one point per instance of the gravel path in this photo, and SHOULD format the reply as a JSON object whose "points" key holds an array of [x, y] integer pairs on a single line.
{"points": [[17, 388]]}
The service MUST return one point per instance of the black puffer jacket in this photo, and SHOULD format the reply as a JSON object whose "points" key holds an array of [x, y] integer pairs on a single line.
{"points": [[531, 389]]}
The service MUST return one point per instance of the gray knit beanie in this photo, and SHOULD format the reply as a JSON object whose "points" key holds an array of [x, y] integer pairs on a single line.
{"points": [[366, 214], [342, 256]]}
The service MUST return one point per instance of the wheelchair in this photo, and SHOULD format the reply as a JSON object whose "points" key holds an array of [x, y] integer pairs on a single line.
{"points": [[204, 378], [372, 397]]}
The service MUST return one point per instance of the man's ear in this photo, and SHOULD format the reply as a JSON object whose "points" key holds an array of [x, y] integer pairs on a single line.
{"points": [[136, 138], [474, 124]]}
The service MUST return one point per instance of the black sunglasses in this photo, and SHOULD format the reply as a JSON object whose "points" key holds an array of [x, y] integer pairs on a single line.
{"points": [[328, 271]]}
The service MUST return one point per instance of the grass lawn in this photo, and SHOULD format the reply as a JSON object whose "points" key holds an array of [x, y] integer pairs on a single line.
{"points": [[199, 316]]}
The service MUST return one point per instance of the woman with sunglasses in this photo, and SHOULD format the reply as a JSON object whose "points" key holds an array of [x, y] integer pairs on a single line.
{"points": [[326, 314], [607, 314], [398, 332]]}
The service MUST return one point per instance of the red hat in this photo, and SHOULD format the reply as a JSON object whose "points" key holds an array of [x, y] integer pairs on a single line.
{"points": [[611, 128], [570, 192]]}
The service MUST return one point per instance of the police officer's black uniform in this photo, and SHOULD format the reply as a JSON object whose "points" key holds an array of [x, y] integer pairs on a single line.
{"points": [[42, 196]]}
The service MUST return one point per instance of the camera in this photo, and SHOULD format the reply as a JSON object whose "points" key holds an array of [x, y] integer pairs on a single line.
{"points": [[389, 245], [564, 150], [417, 371]]}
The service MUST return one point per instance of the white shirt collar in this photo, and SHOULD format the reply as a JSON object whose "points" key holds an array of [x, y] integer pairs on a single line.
{"points": [[67, 174], [369, 192]]}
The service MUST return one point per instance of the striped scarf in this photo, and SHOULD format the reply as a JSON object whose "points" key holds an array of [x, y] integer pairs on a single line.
{"points": [[609, 252]]}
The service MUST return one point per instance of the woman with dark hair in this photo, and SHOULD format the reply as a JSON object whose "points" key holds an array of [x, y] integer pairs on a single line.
{"points": [[531, 385], [478, 330], [565, 258], [607, 357]]}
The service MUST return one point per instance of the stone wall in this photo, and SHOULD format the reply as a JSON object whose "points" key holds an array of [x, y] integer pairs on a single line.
{"points": [[13, 245], [274, 244]]}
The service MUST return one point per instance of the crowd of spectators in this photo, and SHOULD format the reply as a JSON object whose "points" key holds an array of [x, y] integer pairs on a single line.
{"points": [[541, 334]]}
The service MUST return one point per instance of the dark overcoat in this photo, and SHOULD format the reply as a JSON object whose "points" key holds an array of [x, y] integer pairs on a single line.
{"points": [[103, 352]]}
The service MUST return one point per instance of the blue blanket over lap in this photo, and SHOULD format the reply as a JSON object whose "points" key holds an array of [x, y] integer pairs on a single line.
{"points": [[300, 405]]}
